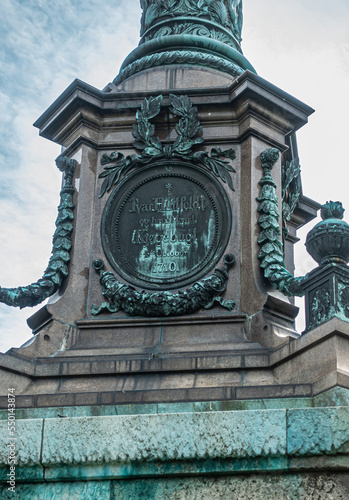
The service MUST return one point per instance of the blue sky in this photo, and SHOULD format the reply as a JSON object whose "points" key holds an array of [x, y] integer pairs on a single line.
{"points": [[301, 46]]}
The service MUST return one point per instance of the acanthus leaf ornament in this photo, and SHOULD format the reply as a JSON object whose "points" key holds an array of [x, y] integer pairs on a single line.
{"points": [[327, 243], [226, 13], [291, 188], [191, 29]]}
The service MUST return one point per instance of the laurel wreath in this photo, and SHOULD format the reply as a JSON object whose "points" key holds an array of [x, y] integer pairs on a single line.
{"points": [[188, 129]]}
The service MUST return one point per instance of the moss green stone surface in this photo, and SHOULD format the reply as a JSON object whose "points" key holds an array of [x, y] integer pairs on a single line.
{"points": [[185, 436], [252, 487], [198, 451], [59, 491], [318, 431], [27, 439]]}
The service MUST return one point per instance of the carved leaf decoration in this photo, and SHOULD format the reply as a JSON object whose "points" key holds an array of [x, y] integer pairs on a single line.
{"points": [[110, 158], [194, 127], [290, 171], [151, 13], [220, 168], [180, 105], [151, 151], [155, 141], [112, 178], [139, 143], [291, 188], [168, 4], [183, 146], [228, 153], [152, 106], [198, 140], [219, 13], [266, 221], [188, 128], [268, 207], [143, 131], [112, 173]]}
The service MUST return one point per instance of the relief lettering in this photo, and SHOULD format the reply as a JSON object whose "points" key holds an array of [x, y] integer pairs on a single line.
{"points": [[165, 226]]}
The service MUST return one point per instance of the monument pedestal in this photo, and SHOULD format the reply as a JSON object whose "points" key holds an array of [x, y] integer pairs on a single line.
{"points": [[166, 365]]}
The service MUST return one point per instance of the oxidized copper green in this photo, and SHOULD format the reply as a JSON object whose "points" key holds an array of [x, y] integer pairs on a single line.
{"points": [[219, 19], [166, 225], [326, 288], [123, 297], [327, 293], [188, 131], [193, 32], [57, 269], [271, 253], [328, 241]]}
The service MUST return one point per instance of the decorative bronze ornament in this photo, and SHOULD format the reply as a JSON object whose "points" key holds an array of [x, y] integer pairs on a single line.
{"points": [[271, 253], [188, 136], [168, 221], [166, 225], [328, 241], [159, 304], [57, 269]]}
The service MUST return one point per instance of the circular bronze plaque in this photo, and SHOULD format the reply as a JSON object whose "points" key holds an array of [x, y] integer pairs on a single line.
{"points": [[166, 225]]}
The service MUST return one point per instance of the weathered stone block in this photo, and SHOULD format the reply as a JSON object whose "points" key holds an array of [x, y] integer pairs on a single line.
{"points": [[253, 487], [164, 437], [26, 439], [59, 490], [317, 431]]}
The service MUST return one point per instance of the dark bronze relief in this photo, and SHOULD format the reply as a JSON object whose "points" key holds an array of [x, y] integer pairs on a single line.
{"points": [[166, 225], [168, 219]]}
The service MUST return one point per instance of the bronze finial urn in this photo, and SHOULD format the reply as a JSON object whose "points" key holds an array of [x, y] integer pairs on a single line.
{"points": [[328, 241]]}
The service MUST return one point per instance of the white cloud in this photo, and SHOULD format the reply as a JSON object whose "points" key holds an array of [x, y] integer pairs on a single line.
{"points": [[303, 47]]}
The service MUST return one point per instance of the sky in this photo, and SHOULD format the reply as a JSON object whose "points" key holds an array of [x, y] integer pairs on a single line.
{"points": [[300, 46]]}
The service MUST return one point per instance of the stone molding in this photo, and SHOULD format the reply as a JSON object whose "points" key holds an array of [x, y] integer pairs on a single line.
{"points": [[164, 444], [298, 486]]}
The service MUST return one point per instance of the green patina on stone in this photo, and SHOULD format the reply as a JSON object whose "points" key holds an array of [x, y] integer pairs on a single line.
{"points": [[204, 293], [250, 487], [327, 243], [59, 490], [300, 486], [193, 32], [318, 431], [271, 254], [338, 396], [164, 445]]}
